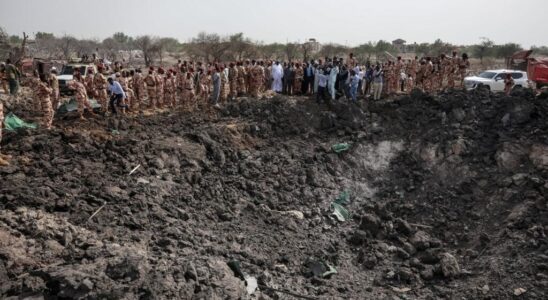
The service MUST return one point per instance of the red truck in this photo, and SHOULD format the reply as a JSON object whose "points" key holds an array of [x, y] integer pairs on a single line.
{"points": [[537, 68]]}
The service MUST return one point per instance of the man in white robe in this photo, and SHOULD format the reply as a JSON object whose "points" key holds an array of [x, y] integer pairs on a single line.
{"points": [[277, 74]]}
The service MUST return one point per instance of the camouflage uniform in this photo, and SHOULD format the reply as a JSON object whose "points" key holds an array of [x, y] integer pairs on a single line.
{"points": [[452, 66], [298, 81], [428, 73], [81, 97], [124, 82], [138, 86], [54, 84], [100, 87], [88, 82], [241, 79], [225, 88], [150, 81], [159, 78], [463, 69], [233, 81], [188, 94], [169, 91], [42, 92]]}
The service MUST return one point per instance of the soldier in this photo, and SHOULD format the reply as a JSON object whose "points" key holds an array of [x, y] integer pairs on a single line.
{"points": [[508, 84], [159, 78], [427, 80], [241, 79], [4, 78], [88, 83], [150, 81], [445, 68], [390, 77], [247, 77], [169, 90], [225, 87], [188, 92], [452, 70], [100, 87], [54, 84], [400, 67], [138, 87], [81, 97], [298, 79], [124, 82], [43, 93], [233, 80], [464, 64], [420, 75], [351, 61]]}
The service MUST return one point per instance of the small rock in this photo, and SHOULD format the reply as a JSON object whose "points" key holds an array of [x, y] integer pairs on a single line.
{"points": [[519, 291], [485, 289], [421, 240], [449, 265], [427, 273], [370, 223]]}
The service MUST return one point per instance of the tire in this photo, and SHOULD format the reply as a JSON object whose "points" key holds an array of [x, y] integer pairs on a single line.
{"points": [[482, 86]]}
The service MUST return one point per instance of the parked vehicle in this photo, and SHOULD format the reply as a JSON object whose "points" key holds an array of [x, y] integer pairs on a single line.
{"points": [[494, 80], [67, 72], [536, 68]]}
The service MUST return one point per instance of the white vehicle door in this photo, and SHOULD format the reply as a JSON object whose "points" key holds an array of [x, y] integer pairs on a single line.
{"points": [[519, 79], [498, 82]]}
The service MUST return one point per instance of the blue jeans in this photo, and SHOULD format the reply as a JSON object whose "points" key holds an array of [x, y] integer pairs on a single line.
{"points": [[354, 92]]}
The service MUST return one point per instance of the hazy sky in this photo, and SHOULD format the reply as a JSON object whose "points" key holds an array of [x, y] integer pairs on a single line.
{"points": [[344, 21]]}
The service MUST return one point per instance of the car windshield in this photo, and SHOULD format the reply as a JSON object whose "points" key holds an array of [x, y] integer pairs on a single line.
{"points": [[69, 70], [487, 75]]}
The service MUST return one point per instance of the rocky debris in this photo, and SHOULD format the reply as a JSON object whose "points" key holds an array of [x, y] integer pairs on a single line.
{"points": [[448, 196]]}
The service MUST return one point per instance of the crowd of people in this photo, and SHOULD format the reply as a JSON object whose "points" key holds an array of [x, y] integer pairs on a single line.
{"points": [[197, 85]]}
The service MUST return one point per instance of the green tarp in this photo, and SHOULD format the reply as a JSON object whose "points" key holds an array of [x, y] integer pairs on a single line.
{"points": [[12, 123], [338, 148], [339, 206], [72, 105]]}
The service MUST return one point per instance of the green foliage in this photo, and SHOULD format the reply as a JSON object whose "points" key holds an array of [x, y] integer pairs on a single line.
{"points": [[44, 36], [506, 50]]}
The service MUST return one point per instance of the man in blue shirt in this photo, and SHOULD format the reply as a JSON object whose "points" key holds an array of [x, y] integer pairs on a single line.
{"points": [[117, 95]]}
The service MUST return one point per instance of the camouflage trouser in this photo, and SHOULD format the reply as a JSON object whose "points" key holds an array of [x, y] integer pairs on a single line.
{"points": [[451, 79], [233, 88], [160, 97], [427, 84], [82, 103], [47, 111], [55, 99], [241, 85], [102, 98], [169, 98], [137, 96], [151, 91], [188, 99]]}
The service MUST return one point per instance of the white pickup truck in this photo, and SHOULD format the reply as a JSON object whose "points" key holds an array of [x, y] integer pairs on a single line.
{"points": [[494, 80], [67, 75]]}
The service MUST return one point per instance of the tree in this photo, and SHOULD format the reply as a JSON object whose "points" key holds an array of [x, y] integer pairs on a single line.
{"points": [[209, 46], [67, 44], [291, 50], [272, 51], [506, 50], [381, 47], [542, 50], [330, 50], [306, 49], [241, 47], [145, 43], [483, 49], [44, 36], [122, 38]]}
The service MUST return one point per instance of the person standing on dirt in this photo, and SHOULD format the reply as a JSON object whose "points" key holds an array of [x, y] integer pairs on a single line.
{"points": [[377, 82], [188, 92], [508, 84], [42, 94], [216, 79], [354, 83], [117, 95], [54, 84], [13, 75], [453, 66], [81, 97], [88, 82], [464, 64], [150, 82], [334, 72], [100, 86]]}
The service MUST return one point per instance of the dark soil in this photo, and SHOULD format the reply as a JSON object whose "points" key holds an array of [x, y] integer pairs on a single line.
{"points": [[447, 201]]}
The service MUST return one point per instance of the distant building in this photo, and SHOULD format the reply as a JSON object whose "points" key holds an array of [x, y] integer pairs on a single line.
{"points": [[399, 45], [313, 45]]}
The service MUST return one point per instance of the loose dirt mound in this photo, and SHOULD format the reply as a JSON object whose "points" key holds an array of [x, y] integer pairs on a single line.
{"points": [[447, 200]]}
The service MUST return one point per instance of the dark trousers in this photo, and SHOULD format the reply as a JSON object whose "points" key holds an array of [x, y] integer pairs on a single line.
{"points": [[320, 95], [115, 100], [308, 84], [14, 86]]}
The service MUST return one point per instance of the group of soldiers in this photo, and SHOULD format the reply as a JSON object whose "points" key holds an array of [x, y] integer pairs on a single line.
{"points": [[429, 74]]}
